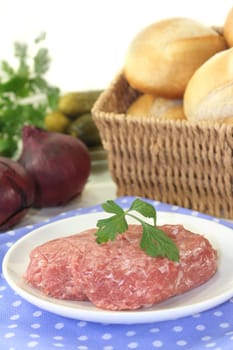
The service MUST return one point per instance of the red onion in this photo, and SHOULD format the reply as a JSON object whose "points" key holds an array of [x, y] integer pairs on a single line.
{"points": [[16, 193], [59, 164]]}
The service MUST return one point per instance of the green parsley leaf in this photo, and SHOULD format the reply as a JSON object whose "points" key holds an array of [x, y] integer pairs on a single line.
{"points": [[25, 95], [154, 241], [111, 207], [21, 50], [6, 68], [110, 227], [144, 208], [41, 61], [40, 37]]}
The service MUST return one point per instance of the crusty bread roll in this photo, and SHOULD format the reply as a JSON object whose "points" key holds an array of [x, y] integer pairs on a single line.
{"points": [[209, 93], [228, 28], [158, 107], [228, 120], [174, 113], [162, 57], [141, 107]]}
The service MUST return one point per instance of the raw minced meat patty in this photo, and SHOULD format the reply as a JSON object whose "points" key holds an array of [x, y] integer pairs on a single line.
{"points": [[118, 275], [50, 267]]}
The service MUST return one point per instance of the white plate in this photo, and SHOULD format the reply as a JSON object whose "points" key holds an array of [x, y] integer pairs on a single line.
{"points": [[217, 290]]}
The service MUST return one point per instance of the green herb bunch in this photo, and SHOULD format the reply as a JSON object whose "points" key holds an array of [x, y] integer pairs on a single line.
{"points": [[25, 94]]}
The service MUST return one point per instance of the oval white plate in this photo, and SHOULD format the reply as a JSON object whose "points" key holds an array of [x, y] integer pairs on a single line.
{"points": [[216, 291]]}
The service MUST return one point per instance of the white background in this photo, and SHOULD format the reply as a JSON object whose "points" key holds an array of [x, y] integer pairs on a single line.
{"points": [[87, 39]]}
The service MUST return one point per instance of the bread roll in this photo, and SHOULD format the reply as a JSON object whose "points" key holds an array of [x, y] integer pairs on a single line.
{"points": [[209, 93], [162, 57], [174, 113], [228, 28], [141, 107], [228, 120], [158, 107]]}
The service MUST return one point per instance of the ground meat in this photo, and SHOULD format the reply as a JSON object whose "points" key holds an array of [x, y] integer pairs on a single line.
{"points": [[118, 275], [50, 267]]}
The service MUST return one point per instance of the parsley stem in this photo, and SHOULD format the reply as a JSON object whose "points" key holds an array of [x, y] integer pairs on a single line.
{"points": [[135, 217]]}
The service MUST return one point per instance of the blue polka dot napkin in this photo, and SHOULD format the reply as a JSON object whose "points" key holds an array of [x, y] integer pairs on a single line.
{"points": [[25, 326]]}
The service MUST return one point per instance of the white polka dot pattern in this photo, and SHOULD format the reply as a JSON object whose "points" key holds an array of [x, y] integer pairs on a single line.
{"points": [[24, 326]]}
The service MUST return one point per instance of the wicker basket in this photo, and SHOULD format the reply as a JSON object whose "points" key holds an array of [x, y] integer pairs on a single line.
{"points": [[183, 163]]}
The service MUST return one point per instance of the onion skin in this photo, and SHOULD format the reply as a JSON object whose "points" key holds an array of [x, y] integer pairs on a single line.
{"points": [[59, 165], [16, 193]]}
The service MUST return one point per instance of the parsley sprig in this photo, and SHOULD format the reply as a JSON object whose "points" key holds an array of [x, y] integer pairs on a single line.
{"points": [[154, 241], [25, 94]]}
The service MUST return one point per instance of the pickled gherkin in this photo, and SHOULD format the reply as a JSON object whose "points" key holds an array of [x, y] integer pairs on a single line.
{"points": [[85, 129], [76, 103], [56, 121]]}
